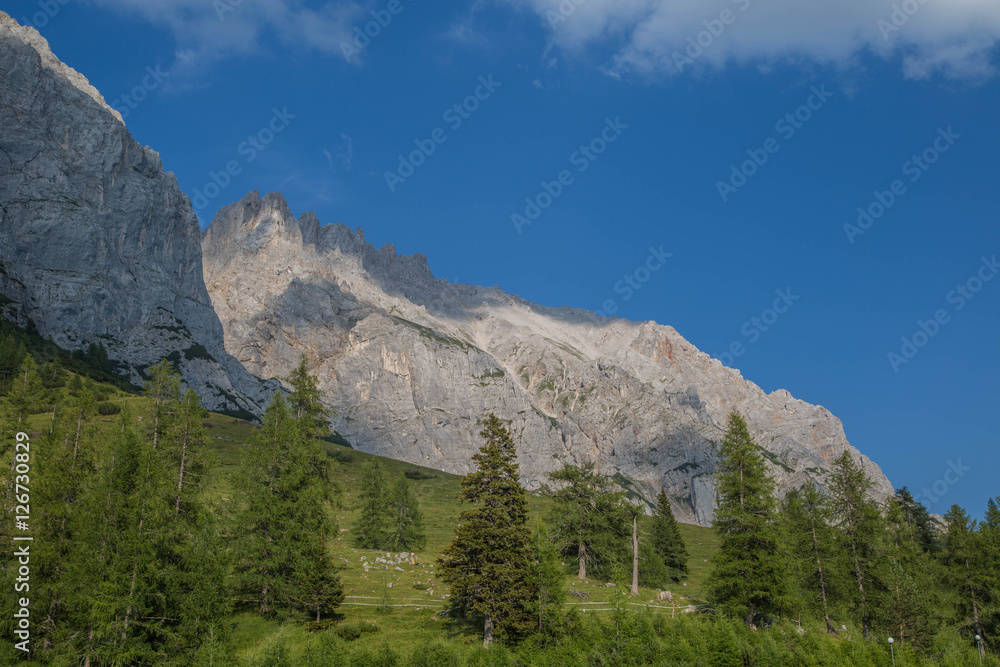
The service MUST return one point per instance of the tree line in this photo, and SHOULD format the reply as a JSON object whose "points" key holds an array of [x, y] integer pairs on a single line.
{"points": [[133, 562]]}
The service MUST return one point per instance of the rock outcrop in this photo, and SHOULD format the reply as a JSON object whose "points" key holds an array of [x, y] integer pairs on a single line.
{"points": [[409, 363], [97, 243]]}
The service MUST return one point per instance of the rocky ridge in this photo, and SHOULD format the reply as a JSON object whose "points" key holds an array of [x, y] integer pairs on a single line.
{"points": [[410, 362], [97, 243]]}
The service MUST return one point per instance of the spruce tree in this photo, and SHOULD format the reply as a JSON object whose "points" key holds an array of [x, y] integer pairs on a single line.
{"points": [[861, 532], [306, 402], [910, 575], [318, 589], [748, 577], [666, 537], [405, 525], [371, 529], [488, 563], [812, 548], [589, 520]]}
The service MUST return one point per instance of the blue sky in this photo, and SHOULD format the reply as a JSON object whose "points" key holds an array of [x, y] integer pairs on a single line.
{"points": [[867, 91]]}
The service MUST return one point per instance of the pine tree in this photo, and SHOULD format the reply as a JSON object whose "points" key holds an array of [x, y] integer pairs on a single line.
{"points": [[306, 402], [812, 547], [748, 578], [666, 537], [405, 525], [920, 520], [371, 529], [164, 387], [488, 563], [861, 531], [989, 545], [548, 581], [589, 520]]}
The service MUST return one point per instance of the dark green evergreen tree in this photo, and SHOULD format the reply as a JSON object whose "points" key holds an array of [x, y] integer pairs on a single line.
{"points": [[306, 402], [665, 537], [589, 521], [488, 563], [319, 589], [371, 530], [748, 577], [405, 525]]}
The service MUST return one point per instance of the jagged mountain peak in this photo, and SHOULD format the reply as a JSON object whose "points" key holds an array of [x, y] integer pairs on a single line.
{"points": [[409, 363]]}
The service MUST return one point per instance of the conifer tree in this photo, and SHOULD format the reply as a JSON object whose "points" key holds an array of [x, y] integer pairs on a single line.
{"points": [[318, 588], [861, 532], [405, 525], [164, 387], [910, 575], [488, 563], [371, 529], [283, 491], [185, 444], [589, 520], [666, 537], [748, 578], [26, 392], [963, 556], [813, 549], [548, 582], [306, 402]]}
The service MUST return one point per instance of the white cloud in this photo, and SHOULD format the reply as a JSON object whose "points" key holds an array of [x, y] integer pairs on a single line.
{"points": [[210, 30], [956, 38]]}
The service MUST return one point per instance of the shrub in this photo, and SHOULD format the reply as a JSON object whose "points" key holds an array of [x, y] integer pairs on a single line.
{"points": [[107, 408], [413, 473]]}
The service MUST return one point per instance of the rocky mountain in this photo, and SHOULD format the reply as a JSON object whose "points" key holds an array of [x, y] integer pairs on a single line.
{"points": [[409, 363], [97, 243]]}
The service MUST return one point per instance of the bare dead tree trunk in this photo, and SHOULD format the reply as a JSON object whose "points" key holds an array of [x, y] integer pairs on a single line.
{"points": [[582, 556]]}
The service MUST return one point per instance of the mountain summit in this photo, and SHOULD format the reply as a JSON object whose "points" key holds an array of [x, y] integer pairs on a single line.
{"points": [[410, 362]]}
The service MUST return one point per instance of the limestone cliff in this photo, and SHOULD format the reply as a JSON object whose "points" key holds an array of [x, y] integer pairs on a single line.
{"points": [[97, 243], [410, 362]]}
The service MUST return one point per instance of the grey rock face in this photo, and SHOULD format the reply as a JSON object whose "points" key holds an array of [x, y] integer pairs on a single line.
{"points": [[409, 363], [97, 243]]}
